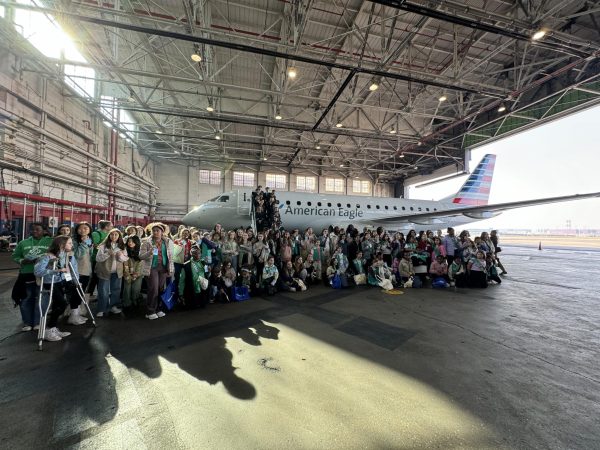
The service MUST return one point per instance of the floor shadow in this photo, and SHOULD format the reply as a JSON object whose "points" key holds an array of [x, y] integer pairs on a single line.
{"points": [[211, 362]]}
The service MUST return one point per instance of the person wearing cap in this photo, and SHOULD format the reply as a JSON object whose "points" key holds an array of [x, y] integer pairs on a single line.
{"points": [[157, 253]]}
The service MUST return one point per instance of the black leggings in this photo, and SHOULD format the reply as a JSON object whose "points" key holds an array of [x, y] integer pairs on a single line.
{"points": [[59, 301]]}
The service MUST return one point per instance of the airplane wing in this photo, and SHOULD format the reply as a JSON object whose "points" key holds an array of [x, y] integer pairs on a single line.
{"points": [[481, 212]]}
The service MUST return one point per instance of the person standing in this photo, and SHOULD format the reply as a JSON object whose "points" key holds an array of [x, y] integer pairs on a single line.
{"points": [[98, 236], [451, 244], [109, 268], [157, 254], [82, 250], [26, 254]]}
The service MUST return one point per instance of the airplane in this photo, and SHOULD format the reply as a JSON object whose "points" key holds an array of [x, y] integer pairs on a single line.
{"points": [[299, 210]]}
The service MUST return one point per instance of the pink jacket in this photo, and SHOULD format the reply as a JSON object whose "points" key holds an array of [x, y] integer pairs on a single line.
{"points": [[438, 269]]}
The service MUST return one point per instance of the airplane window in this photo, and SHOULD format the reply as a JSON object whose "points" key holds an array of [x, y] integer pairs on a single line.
{"points": [[348, 205], [403, 208], [214, 199], [419, 208], [426, 209], [368, 206], [308, 203], [224, 198], [377, 207], [386, 207], [319, 204], [412, 209], [395, 208], [435, 209], [298, 203], [329, 205], [339, 205], [287, 202], [357, 205]]}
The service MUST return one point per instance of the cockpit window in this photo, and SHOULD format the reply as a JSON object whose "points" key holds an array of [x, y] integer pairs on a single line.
{"points": [[214, 199], [224, 198]]}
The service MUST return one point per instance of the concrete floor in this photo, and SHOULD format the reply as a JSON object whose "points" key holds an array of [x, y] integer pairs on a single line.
{"points": [[513, 366]]}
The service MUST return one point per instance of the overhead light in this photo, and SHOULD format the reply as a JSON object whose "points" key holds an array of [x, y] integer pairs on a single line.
{"points": [[196, 57], [292, 72], [218, 136], [443, 98], [374, 86], [341, 165], [419, 143], [278, 116], [318, 147], [401, 155], [502, 108], [416, 167], [210, 108], [131, 97], [339, 125], [392, 131], [538, 35], [264, 158], [159, 132]]}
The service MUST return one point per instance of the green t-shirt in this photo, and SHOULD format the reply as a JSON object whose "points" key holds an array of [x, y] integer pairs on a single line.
{"points": [[30, 248], [97, 237]]}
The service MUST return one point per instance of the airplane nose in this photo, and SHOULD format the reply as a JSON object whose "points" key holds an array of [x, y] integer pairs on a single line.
{"points": [[187, 219]]}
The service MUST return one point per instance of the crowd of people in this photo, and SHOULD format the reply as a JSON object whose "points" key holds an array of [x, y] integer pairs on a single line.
{"points": [[203, 267]]}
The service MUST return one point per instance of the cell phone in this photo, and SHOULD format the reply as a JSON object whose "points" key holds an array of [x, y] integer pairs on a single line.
{"points": [[68, 276], [155, 252]]}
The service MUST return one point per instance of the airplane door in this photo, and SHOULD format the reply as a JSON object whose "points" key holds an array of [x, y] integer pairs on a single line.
{"points": [[243, 203]]}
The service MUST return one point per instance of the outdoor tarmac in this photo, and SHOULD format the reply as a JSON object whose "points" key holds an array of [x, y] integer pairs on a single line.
{"points": [[514, 366]]}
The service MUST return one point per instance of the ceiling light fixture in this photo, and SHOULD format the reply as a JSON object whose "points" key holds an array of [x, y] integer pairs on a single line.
{"points": [[419, 143], [341, 165], [374, 86], [210, 108], [218, 136], [278, 117], [502, 108], [196, 57], [292, 72], [401, 155], [264, 158], [416, 167], [159, 132], [339, 125], [538, 35], [443, 98], [392, 131], [318, 147]]}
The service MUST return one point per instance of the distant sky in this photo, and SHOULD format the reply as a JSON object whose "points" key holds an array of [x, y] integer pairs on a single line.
{"points": [[559, 158]]}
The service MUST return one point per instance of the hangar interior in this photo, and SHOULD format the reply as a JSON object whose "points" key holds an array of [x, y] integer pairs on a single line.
{"points": [[133, 110]]}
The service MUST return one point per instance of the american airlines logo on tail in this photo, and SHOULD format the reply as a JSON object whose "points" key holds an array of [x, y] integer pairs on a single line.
{"points": [[476, 190]]}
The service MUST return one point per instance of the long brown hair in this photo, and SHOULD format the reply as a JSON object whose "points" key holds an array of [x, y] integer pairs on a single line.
{"points": [[58, 244]]}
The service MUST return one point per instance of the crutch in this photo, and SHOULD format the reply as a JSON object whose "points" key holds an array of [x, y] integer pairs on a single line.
{"points": [[81, 293], [44, 314]]}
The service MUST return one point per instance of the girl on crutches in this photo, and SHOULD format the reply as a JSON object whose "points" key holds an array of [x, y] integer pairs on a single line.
{"points": [[54, 270]]}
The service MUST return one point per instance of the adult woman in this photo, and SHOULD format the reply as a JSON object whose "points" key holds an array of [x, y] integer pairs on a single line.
{"points": [[109, 268], [54, 267], [157, 254], [82, 250], [494, 240]]}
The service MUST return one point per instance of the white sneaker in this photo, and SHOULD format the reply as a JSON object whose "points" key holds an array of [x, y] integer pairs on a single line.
{"points": [[151, 316], [75, 318], [36, 328], [63, 334], [115, 310], [26, 328], [52, 335], [100, 314], [160, 314], [293, 289]]}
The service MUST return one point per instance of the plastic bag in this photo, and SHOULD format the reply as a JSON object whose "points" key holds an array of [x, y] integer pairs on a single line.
{"points": [[168, 296]]}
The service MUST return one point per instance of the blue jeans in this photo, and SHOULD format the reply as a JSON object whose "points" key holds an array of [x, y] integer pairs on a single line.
{"points": [[30, 311], [109, 292]]}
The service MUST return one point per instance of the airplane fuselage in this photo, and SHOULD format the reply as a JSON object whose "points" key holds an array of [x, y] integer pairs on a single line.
{"points": [[303, 210]]}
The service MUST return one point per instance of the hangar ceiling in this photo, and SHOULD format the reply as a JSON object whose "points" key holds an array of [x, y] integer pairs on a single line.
{"points": [[385, 89]]}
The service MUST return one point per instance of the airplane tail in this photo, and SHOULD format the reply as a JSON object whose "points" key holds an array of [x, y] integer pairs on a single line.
{"points": [[476, 190]]}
